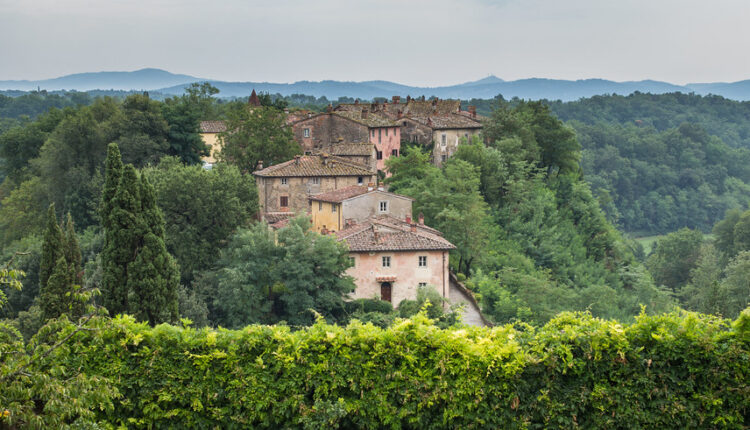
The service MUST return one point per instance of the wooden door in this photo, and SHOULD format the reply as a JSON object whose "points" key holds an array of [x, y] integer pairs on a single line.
{"points": [[385, 291]]}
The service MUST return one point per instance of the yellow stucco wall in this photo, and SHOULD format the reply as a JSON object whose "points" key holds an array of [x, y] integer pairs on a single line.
{"points": [[323, 215], [214, 146]]}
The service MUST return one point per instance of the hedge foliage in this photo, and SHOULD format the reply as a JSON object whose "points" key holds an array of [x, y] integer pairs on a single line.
{"points": [[679, 370]]}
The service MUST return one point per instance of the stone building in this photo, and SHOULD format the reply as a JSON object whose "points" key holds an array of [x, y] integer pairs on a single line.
{"points": [[393, 257], [440, 124], [334, 210], [283, 189], [362, 153], [209, 131], [325, 129]]}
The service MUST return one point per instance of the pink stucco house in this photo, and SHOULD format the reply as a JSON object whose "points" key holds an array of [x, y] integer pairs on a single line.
{"points": [[393, 257]]}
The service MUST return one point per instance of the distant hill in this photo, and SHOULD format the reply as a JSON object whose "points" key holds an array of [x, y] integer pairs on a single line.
{"points": [[144, 79], [488, 87]]}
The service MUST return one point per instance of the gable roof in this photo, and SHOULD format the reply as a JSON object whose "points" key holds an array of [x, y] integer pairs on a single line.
{"points": [[386, 233], [373, 120], [447, 121], [315, 165], [213, 126], [342, 194], [351, 149]]}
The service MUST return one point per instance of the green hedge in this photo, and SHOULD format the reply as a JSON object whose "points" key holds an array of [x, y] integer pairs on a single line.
{"points": [[669, 371]]}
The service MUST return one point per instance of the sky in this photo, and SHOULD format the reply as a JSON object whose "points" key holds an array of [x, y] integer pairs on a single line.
{"points": [[414, 42]]}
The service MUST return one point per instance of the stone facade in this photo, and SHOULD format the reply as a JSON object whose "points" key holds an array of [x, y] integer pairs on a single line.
{"points": [[404, 274], [333, 211], [285, 188], [392, 258]]}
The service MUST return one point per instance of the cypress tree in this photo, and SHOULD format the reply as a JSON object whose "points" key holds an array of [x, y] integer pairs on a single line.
{"points": [[52, 248], [72, 251], [122, 241], [153, 279], [54, 299], [112, 176]]}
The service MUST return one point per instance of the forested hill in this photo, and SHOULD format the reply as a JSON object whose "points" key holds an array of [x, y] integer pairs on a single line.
{"points": [[662, 162], [721, 117]]}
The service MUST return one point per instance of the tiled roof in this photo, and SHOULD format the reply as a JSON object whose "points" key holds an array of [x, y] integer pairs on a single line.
{"points": [[373, 119], [274, 217], [446, 121], [213, 126], [338, 196], [362, 149], [389, 234], [315, 165]]}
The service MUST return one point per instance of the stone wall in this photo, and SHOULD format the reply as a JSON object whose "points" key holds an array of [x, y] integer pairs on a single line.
{"points": [[297, 190]]}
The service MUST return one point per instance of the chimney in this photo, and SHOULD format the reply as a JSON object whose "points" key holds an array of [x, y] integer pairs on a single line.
{"points": [[435, 101], [408, 99], [473, 111], [423, 98], [421, 218], [296, 160], [408, 219], [400, 114], [413, 228], [373, 107], [370, 186], [380, 188], [364, 113], [459, 105], [325, 159], [396, 100], [260, 164], [329, 108], [356, 102]]}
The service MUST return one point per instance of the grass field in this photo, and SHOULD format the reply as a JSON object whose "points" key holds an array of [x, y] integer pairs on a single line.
{"points": [[648, 241]]}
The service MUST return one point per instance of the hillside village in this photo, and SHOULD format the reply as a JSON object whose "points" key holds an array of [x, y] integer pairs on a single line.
{"points": [[337, 183]]}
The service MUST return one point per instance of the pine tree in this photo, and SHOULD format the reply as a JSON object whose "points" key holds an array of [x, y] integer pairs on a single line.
{"points": [[52, 248], [122, 241]]}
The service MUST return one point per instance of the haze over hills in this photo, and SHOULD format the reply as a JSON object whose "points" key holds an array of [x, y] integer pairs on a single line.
{"points": [[534, 88]]}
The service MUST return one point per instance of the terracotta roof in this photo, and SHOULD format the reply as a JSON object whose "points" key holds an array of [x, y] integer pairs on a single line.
{"points": [[274, 217], [373, 119], [389, 234], [213, 126], [338, 196], [362, 149], [315, 165], [447, 121]]}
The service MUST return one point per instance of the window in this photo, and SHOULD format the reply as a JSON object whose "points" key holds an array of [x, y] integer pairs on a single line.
{"points": [[443, 158], [383, 206], [320, 206], [466, 135], [352, 262], [333, 207], [442, 142], [386, 132], [372, 133], [315, 181], [404, 123], [379, 155], [422, 261], [380, 135], [386, 261], [394, 152], [306, 132], [360, 181], [422, 284], [284, 181], [284, 201]]}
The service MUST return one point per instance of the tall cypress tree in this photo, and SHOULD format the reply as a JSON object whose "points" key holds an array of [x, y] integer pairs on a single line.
{"points": [[140, 277], [58, 276], [52, 248], [112, 175], [122, 235]]}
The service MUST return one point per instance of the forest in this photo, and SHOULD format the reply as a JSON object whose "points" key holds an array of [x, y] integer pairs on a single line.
{"points": [[106, 210]]}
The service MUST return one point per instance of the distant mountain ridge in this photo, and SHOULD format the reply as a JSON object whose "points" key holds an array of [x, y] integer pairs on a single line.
{"points": [[533, 88]]}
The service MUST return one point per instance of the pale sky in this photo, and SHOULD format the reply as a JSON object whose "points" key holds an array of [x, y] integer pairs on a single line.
{"points": [[414, 42]]}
